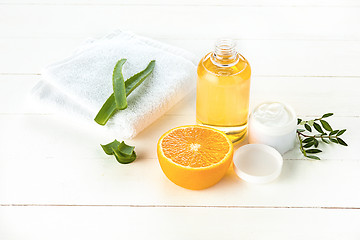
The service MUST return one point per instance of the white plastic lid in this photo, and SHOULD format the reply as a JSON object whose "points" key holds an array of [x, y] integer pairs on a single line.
{"points": [[257, 163]]}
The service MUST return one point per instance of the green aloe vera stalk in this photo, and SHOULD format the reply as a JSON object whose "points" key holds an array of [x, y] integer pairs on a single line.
{"points": [[109, 107], [123, 159], [126, 149], [134, 81], [108, 148], [119, 85], [106, 111], [123, 153]]}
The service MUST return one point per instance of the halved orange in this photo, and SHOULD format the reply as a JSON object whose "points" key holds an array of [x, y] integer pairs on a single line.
{"points": [[194, 157]]}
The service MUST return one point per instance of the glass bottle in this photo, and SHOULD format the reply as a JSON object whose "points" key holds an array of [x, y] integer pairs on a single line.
{"points": [[223, 89]]}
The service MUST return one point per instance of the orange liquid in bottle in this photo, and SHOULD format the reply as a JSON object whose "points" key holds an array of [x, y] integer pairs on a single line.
{"points": [[223, 88]]}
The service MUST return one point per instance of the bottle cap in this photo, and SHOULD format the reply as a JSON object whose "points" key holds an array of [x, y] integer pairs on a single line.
{"points": [[257, 163]]}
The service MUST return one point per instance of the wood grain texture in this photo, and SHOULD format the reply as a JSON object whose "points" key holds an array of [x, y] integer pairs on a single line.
{"points": [[57, 147], [186, 223], [184, 21], [55, 181], [59, 181], [69, 167], [252, 3], [287, 57]]}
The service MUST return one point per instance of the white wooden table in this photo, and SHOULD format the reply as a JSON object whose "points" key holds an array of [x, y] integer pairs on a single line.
{"points": [[56, 182]]}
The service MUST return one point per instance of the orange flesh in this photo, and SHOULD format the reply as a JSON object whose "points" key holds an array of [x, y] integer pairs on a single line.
{"points": [[195, 147]]}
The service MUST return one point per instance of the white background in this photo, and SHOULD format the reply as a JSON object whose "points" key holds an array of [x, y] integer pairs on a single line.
{"points": [[56, 182]]}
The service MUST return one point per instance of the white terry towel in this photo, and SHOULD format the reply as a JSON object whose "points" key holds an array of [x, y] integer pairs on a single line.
{"points": [[80, 84]]}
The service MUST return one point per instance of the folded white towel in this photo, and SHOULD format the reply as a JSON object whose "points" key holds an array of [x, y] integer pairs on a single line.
{"points": [[80, 84]]}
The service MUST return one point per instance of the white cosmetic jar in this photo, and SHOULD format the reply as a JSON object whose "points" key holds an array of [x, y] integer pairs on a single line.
{"points": [[273, 124]]}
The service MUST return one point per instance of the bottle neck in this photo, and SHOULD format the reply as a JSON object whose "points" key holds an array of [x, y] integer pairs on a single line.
{"points": [[225, 54]]}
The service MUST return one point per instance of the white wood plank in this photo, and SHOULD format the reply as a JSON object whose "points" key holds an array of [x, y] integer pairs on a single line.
{"points": [[197, 22], [91, 181], [254, 3], [267, 57], [72, 223], [45, 161], [50, 136]]}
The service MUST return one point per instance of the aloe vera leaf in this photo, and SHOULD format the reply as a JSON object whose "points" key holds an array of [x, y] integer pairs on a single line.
{"points": [[106, 111], [134, 81], [125, 149], [123, 153], [124, 159], [109, 107], [108, 148], [119, 85]]}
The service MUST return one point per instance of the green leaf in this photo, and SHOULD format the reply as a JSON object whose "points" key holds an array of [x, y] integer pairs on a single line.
{"points": [[333, 132], [108, 148], [318, 128], [327, 115], [123, 153], [119, 85], [311, 122], [138, 78], [308, 145], [124, 159], [106, 111], [125, 149], [342, 142], [313, 157], [326, 134], [341, 132], [313, 150], [299, 121], [326, 125], [316, 143], [325, 141], [109, 107], [309, 139]]}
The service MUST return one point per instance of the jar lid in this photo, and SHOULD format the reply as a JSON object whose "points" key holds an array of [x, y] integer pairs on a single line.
{"points": [[257, 163]]}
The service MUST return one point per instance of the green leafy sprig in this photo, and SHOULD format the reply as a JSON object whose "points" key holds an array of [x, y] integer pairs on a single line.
{"points": [[309, 140]]}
